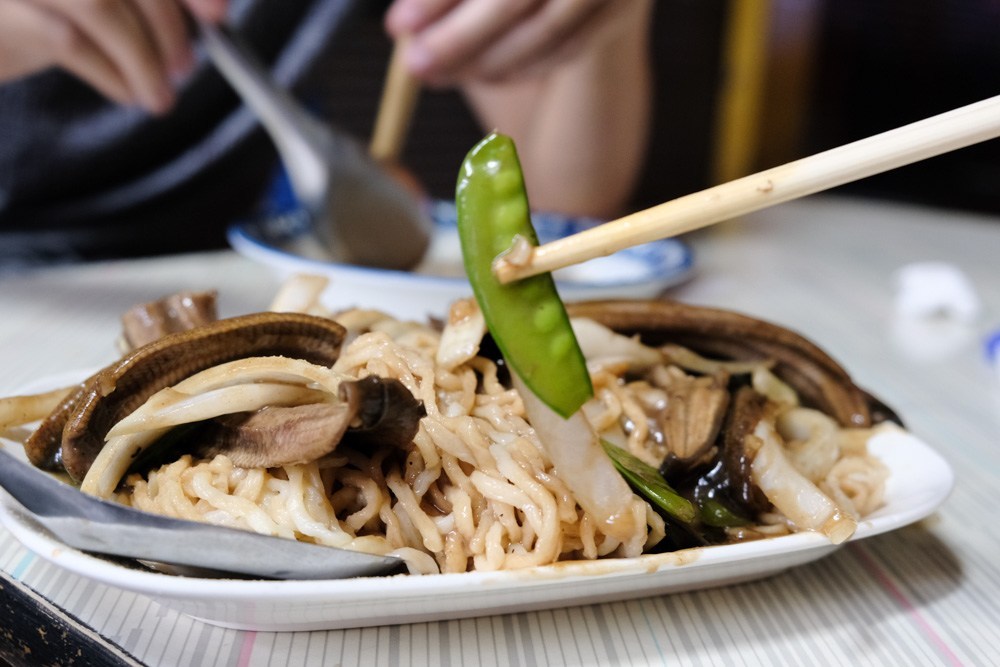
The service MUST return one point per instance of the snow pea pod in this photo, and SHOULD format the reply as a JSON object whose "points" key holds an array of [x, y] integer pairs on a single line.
{"points": [[527, 318]]}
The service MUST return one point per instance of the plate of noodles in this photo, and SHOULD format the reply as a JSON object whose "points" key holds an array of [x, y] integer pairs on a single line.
{"points": [[469, 497], [284, 244], [919, 482]]}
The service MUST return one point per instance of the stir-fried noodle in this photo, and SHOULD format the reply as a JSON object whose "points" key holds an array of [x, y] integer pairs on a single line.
{"points": [[476, 489]]}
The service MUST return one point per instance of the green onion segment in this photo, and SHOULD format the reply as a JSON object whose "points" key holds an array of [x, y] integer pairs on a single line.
{"points": [[648, 481]]}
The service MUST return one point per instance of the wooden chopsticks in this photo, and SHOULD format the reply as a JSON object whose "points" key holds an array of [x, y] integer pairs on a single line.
{"points": [[882, 152], [399, 99]]}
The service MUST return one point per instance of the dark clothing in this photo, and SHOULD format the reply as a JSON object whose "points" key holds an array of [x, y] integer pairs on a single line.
{"points": [[81, 177]]}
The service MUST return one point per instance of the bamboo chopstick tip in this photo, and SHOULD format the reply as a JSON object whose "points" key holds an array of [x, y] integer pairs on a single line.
{"points": [[504, 271], [515, 262]]}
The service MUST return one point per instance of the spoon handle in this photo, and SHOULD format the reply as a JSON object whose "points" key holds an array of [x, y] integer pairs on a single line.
{"points": [[91, 524], [302, 141]]}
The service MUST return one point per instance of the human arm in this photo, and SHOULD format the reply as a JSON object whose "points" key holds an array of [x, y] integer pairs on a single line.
{"points": [[568, 80], [129, 50]]}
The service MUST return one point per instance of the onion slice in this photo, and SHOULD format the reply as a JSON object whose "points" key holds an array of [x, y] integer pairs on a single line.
{"points": [[792, 493], [576, 452]]}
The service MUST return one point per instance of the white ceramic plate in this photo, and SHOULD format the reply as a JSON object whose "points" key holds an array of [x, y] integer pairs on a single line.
{"points": [[920, 481], [284, 244]]}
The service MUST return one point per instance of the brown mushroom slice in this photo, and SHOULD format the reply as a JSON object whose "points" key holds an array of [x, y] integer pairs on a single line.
{"points": [[374, 410], [276, 436], [386, 412], [73, 433], [747, 409], [146, 322], [693, 415], [820, 381]]}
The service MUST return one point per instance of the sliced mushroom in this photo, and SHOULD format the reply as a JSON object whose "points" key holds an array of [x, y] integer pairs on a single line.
{"points": [[386, 412], [747, 411], [276, 436], [693, 414], [820, 381], [72, 434], [146, 322]]}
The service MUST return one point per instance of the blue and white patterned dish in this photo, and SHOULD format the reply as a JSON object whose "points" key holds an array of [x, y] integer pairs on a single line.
{"points": [[284, 243]]}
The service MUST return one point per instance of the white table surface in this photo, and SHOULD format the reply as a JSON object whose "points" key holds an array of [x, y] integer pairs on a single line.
{"points": [[926, 594]]}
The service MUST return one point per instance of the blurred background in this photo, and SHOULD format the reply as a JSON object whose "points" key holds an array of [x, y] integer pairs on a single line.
{"points": [[743, 85]]}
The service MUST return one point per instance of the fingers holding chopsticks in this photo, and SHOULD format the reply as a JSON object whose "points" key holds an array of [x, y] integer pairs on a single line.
{"points": [[453, 41]]}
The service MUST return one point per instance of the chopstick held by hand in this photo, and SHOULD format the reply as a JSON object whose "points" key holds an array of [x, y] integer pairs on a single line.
{"points": [[917, 141], [395, 111]]}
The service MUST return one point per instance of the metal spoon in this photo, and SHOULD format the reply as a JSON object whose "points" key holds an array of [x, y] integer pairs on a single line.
{"points": [[360, 213], [91, 524]]}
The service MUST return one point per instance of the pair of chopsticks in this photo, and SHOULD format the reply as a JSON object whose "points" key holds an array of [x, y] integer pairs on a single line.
{"points": [[904, 145], [395, 110]]}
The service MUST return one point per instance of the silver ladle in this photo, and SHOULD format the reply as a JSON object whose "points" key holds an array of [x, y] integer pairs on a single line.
{"points": [[360, 213], [99, 526]]}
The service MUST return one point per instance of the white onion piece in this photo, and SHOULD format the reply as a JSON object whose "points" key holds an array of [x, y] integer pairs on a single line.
{"points": [[113, 461], [301, 294], [462, 334], [792, 494], [692, 361], [764, 381], [169, 407], [20, 410], [580, 461], [603, 347], [284, 370], [812, 441]]}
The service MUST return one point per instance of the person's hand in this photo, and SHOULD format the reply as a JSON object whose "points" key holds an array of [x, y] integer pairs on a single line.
{"points": [[569, 80], [456, 41], [129, 50]]}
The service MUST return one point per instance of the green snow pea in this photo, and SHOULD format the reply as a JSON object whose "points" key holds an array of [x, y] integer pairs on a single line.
{"points": [[527, 318]]}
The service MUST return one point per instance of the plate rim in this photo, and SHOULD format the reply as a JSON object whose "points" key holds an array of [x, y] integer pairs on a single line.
{"points": [[243, 239], [766, 556]]}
